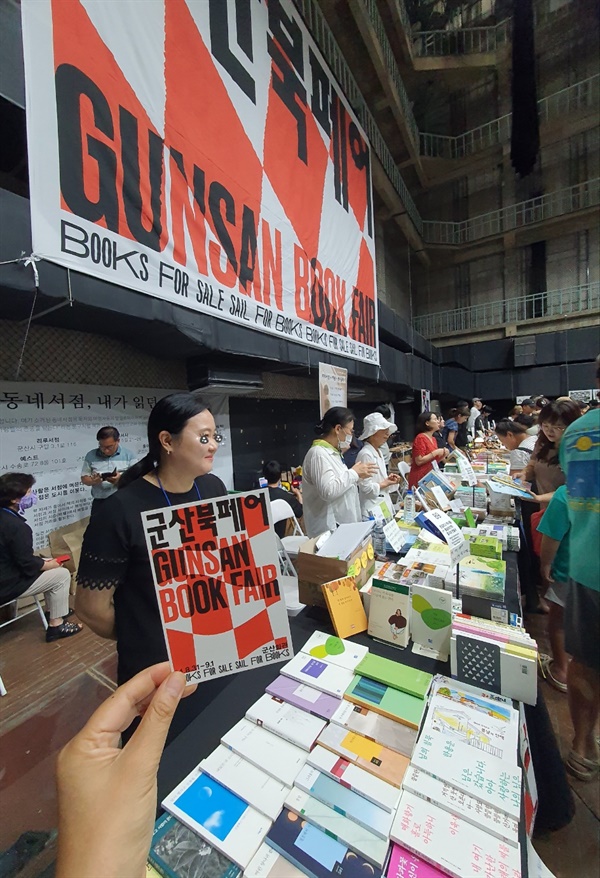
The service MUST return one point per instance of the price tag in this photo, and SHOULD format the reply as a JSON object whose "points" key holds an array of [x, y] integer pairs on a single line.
{"points": [[459, 547], [395, 536]]}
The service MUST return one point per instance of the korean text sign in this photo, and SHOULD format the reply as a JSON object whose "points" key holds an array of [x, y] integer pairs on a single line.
{"points": [[218, 166]]}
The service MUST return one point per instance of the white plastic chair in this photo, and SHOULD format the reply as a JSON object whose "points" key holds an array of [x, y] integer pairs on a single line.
{"points": [[403, 468], [282, 511], [16, 617], [288, 581]]}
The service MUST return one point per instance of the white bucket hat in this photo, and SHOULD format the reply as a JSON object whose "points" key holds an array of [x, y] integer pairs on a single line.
{"points": [[374, 423]]}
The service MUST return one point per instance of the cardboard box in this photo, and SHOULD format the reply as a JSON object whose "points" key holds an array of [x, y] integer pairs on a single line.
{"points": [[314, 570], [68, 540]]}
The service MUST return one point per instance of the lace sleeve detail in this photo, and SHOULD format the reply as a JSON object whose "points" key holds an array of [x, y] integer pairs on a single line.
{"points": [[98, 572]]}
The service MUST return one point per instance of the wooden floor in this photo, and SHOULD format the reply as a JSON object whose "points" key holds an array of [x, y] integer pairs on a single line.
{"points": [[53, 689]]}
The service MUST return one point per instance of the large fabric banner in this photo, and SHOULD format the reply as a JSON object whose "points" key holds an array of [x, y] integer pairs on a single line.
{"points": [[47, 429], [201, 151]]}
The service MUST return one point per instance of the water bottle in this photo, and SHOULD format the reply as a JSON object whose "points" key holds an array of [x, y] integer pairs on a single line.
{"points": [[409, 507], [379, 541]]}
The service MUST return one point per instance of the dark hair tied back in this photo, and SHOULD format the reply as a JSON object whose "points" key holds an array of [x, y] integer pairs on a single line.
{"points": [[338, 416], [170, 414]]}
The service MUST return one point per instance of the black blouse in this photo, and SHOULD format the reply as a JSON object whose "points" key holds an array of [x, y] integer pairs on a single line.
{"points": [[114, 555], [19, 567]]}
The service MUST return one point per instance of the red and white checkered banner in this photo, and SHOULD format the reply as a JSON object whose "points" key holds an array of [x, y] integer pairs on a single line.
{"points": [[201, 151]]}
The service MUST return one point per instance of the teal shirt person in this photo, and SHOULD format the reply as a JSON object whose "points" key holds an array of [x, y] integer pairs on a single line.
{"points": [[579, 456], [97, 462], [555, 524]]}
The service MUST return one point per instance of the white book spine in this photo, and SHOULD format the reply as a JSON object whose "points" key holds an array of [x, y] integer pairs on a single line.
{"points": [[288, 722], [372, 788], [246, 780]]}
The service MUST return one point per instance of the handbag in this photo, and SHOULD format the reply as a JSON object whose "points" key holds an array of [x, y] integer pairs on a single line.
{"points": [[536, 536]]}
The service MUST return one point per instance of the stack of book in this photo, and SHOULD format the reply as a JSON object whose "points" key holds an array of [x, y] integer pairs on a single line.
{"points": [[461, 796], [498, 657]]}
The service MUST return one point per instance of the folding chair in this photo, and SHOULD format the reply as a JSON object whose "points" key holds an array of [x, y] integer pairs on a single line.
{"points": [[16, 617], [282, 511]]}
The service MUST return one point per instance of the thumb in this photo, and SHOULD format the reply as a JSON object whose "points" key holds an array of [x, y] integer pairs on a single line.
{"points": [[148, 741]]}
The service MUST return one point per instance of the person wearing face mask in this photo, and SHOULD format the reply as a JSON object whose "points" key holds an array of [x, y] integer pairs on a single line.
{"points": [[329, 488], [21, 572]]}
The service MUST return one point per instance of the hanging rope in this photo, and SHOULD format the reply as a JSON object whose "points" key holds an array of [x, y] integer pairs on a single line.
{"points": [[27, 261]]}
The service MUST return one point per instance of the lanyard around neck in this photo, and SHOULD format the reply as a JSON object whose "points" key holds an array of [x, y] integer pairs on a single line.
{"points": [[12, 512], [160, 485], [321, 443]]}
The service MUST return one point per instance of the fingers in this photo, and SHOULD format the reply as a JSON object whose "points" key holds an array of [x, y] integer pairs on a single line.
{"points": [[148, 741], [118, 712]]}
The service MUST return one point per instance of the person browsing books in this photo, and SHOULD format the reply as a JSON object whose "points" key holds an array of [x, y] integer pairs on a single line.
{"points": [[455, 418], [115, 594], [375, 489], [424, 448], [329, 492], [543, 469], [103, 466], [515, 439], [272, 473], [21, 572]]}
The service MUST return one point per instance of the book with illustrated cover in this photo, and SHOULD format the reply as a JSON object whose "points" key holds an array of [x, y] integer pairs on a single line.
{"points": [[220, 609], [177, 852], [335, 650], [345, 606], [319, 674], [220, 817], [314, 851], [500, 667], [391, 703], [383, 763], [389, 612], [456, 801], [404, 864], [372, 788], [250, 783], [485, 732], [431, 618], [344, 801], [287, 721], [266, 750], [450, 842], [305, 697], [491, 780], [349, 833], [394, 674], [389, 732], [268, 863], [479, 699]]}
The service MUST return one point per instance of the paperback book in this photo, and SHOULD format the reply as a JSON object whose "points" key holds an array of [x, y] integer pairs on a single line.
{"points": [[266, 750], [246, 780], [486, 732], [431, 619], [451, 799], [314, 851], [220, 817], [501, 667], [349, 833], [388, 732], [345, 606], [287, 721], [220, 610], [335, 650], [268, 863], [383, 763], [451, 843], [487, 778], [389, 612], [372, 788], [319, 674], [391, 703], [344, 801], [305, 697], [404, 864], [177, 852], [394, 674]]}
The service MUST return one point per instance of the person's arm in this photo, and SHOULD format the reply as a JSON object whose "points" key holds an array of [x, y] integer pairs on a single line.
{"points": [[88, 476], [107, 795], [102, 569], [295, 500], [21, 550], [548, 552], [422, 456], [450, 439]]}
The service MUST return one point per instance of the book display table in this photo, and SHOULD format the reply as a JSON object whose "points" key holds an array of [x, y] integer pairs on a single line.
{"points": [[228, 707]]}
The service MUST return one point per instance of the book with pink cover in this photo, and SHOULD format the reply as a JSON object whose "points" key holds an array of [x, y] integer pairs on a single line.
{"points": [[404, 864]]}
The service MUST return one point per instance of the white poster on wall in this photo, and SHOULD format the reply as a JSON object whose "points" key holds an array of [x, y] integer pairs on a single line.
{"points": [[333, 387], [46, 430], [425, 400]]}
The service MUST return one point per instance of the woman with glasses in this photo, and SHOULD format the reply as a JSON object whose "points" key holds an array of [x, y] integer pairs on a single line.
{"points": [[116, 595], [424, 449], [543, 470]]}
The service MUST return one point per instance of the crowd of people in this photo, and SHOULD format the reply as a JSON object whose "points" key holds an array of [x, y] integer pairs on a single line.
{"points": [[554, 448]]}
